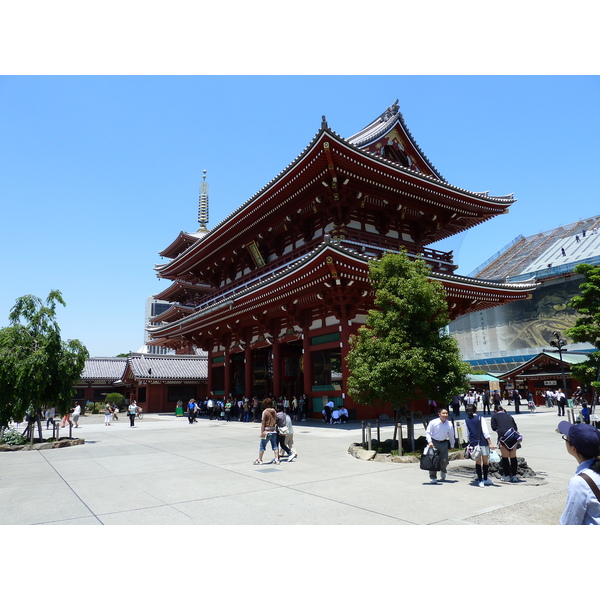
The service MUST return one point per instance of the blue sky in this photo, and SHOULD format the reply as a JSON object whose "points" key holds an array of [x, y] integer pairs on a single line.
{"points": [[100, 173]]}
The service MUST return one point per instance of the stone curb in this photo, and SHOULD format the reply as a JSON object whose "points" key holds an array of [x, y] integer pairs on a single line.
{"points": [[359, 452], [42, 445]]}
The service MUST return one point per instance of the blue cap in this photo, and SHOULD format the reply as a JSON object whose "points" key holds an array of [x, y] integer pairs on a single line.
{"points": [[583, 437]]}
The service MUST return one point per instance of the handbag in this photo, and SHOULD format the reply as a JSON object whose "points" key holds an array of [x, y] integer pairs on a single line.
{"points": [[283, 430], [430, 459], [473, 452], [511, 438]]}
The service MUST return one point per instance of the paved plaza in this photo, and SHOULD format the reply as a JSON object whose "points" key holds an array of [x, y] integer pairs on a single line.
{"points": [[165, 471]]}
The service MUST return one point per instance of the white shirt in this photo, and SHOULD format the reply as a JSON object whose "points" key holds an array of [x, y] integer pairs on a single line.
{"points": [[439, 431], [582, 506]]}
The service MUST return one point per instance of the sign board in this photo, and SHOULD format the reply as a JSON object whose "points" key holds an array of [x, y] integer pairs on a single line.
{"points": [[550, 382]]}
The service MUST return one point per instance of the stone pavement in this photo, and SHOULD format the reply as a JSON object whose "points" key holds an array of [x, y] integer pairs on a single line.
{"points": [[165, 471]]}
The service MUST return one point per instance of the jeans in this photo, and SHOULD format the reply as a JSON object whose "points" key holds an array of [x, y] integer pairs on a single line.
{"points": [[271, 437]]}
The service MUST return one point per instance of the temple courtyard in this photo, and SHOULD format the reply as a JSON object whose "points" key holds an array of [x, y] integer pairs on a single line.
{"points": [[165, 471]]}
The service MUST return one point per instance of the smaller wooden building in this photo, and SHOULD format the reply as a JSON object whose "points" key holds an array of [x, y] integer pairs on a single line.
{"points": [[544, 371], [156, 382]]}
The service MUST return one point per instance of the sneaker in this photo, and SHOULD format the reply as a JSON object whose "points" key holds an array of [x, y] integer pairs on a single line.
{"points": [[481, 484], [433, 480], [506, 478], [514, 479], [488, 481], [291, 457], [443, 476], [257, 462], [276, 462]]}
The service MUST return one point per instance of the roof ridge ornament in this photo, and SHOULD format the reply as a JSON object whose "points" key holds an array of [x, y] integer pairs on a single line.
{"points": [[324, 122], [391, 111]]}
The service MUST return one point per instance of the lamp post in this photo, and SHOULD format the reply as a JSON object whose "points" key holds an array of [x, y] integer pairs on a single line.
{"points": [[560, 344]]}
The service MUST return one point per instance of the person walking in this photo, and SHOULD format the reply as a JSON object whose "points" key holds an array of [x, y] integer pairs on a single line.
{"points": [[583, 496], [192, 407], [282, 430], [440, 435], [49, 415], [501, 422], [76, 413], [268, 432], [479, 436]]}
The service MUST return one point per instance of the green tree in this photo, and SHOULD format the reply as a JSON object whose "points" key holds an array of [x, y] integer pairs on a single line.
{"points": [[404, 352], [37, 368], [587, 325]]}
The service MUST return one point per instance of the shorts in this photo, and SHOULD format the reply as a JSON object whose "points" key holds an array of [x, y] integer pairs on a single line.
{"points": [[272, 437]]}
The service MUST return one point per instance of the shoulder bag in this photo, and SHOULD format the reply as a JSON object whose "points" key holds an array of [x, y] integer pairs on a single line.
{"points": [[591, 483]]}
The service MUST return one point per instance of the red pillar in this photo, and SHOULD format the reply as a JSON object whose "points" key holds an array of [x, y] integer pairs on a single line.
{"points": [[248, 371], [276, 369]]}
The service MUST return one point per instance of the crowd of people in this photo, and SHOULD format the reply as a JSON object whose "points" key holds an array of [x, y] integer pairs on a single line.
{"points": [[244, 410]]}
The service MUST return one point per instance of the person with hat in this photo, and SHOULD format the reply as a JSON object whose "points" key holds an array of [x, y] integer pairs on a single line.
{"points": [[583, 495]]}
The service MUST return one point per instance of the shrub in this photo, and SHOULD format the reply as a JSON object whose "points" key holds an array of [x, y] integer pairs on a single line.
{"points": [[12, 437]]}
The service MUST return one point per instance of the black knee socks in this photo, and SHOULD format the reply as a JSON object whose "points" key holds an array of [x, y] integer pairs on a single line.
{"points": [[513, 466], [505, 466]]}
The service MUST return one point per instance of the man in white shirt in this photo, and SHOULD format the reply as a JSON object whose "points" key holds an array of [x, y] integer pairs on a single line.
{"points": [[440, 435]]}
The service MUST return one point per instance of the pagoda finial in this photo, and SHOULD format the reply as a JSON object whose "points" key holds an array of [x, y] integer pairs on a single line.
{"points": [[203, 203], [324, 122]]}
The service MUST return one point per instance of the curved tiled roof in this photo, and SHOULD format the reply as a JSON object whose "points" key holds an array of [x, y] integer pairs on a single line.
{"points": [[169, 368], [109, 369], [384, 123]]}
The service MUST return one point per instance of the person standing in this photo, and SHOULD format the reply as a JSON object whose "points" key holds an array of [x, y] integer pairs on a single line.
{"points": [[76, 413], [561, 402], [108, 411], [440, 435], [583, 495], [268, 432], [227, 409], [501, 422], [210, 408], [456, 405], [132, 411], [486, 402], [479, 436], [531, 402], [517, 400], [497, 399]]}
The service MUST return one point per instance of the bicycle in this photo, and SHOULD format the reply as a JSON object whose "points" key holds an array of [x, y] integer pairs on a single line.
{"points": [[139, 413]]}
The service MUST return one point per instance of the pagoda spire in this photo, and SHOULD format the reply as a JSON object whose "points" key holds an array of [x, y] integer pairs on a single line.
{"points": [[203, 204]]}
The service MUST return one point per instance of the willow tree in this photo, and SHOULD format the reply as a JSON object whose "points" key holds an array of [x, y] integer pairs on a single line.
{"points": [[587, 324], [404, 351], [37, 368]]}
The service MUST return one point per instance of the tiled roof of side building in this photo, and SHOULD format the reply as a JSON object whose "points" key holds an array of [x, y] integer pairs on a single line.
{"points": [[104, 368], [177, 368]]}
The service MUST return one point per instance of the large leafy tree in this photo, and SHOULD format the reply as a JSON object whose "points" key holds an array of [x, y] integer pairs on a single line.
{"points": [[37, 368], [404, 351], [587, 325]]}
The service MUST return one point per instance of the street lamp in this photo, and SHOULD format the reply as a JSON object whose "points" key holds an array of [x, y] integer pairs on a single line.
{"points": [[560, 346]]}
